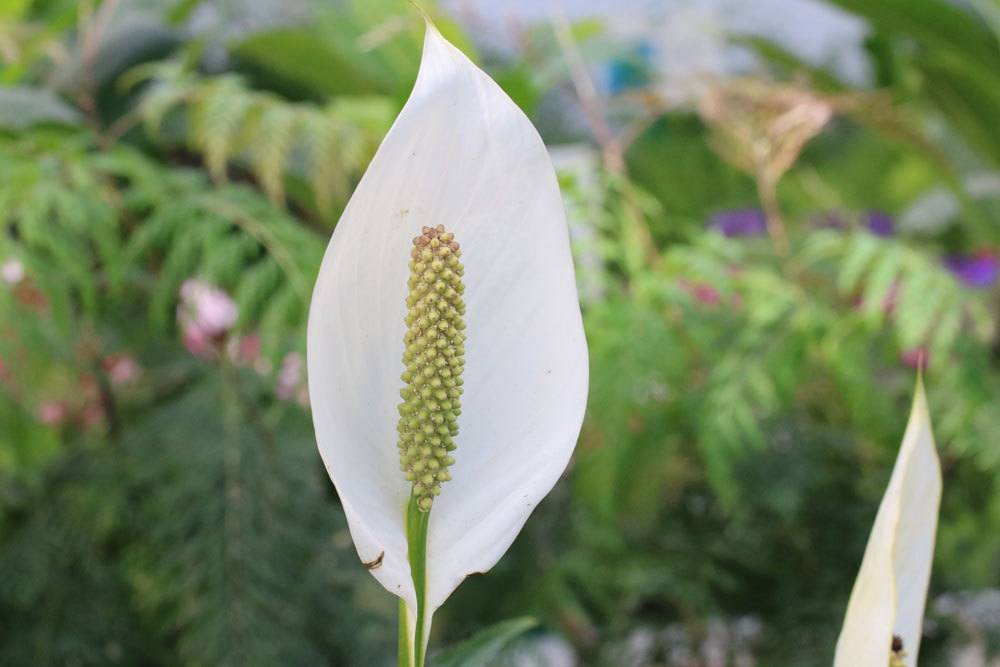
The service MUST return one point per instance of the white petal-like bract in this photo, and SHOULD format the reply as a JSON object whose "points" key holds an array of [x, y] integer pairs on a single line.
{"points": [[891, 589], [463, 155]]}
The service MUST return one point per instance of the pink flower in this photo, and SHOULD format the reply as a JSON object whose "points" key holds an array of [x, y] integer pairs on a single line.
{"points": [[290, 385], [244, 350], [704, 293], [121, 369], [205, 314], [12, 271], [290, 376], [915, 358], [198, 344], [207, 307], [52, 413]]}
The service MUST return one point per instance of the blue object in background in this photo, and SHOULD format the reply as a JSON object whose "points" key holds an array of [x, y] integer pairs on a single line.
{"points": [[631, 70]]}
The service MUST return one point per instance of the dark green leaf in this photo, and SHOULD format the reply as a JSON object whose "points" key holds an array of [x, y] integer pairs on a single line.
{"points": [[485, 647]]}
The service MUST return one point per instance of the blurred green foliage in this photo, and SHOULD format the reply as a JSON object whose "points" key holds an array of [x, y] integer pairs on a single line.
{"points": [[161, 501]]}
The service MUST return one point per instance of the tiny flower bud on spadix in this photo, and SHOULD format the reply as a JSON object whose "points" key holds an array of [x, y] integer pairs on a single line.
{"points": [[434, 356]]}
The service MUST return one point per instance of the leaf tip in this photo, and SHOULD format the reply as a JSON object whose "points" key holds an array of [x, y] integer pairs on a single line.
{"points": [[423, 13]]}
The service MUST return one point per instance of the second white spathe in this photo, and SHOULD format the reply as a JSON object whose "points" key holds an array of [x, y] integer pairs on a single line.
{"points": [[890, 592]]}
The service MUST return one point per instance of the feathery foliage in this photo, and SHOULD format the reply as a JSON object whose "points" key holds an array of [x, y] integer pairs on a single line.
{"points": [[229, 123], [191, 547], [116, 223]]}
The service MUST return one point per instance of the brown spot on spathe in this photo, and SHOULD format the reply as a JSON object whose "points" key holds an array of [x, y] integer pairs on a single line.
{"points": [[374, 564]]}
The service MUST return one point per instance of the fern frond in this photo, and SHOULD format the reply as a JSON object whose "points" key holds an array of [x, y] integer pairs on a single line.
{"points": [[273, 136], [224, 554], [216, 122], [231, 124], [115, 222], [899, 286]]}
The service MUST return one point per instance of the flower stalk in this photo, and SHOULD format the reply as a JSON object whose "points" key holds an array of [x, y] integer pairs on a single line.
{"points": [[417, 520]]}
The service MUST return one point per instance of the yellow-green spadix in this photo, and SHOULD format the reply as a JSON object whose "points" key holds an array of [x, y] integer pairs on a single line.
{"points": [[462, 161], [434, 356], [886, 609]]}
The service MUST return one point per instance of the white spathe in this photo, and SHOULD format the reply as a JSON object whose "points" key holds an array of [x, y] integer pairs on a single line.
{"points": [[463, 155], [891, 589]]}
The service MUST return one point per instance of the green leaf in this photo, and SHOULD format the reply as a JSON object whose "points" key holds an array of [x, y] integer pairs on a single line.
{"points": [[308, 59], [938, 25], [369, 47], [788, 61], [517, 82], [14, 9], [862, 250], [485, 647], [969, 97], [131, 37], [22, 107], [671, 161], [959, 61]]}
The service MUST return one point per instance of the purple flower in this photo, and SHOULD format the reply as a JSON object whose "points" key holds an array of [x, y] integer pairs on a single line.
{"points": [[879, 224], [740, 222], [979, 271]]}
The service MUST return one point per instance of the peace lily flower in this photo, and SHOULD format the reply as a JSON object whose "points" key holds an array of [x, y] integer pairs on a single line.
{"points": [[446, 355], [886, 610]]}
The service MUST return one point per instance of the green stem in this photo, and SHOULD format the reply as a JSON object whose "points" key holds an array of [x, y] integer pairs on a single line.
{"points": [[403, 659], [416, 537]]}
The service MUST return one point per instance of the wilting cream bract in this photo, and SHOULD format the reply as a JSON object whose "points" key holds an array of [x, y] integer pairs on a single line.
{"points": [[463, 155], [891, 589]]}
